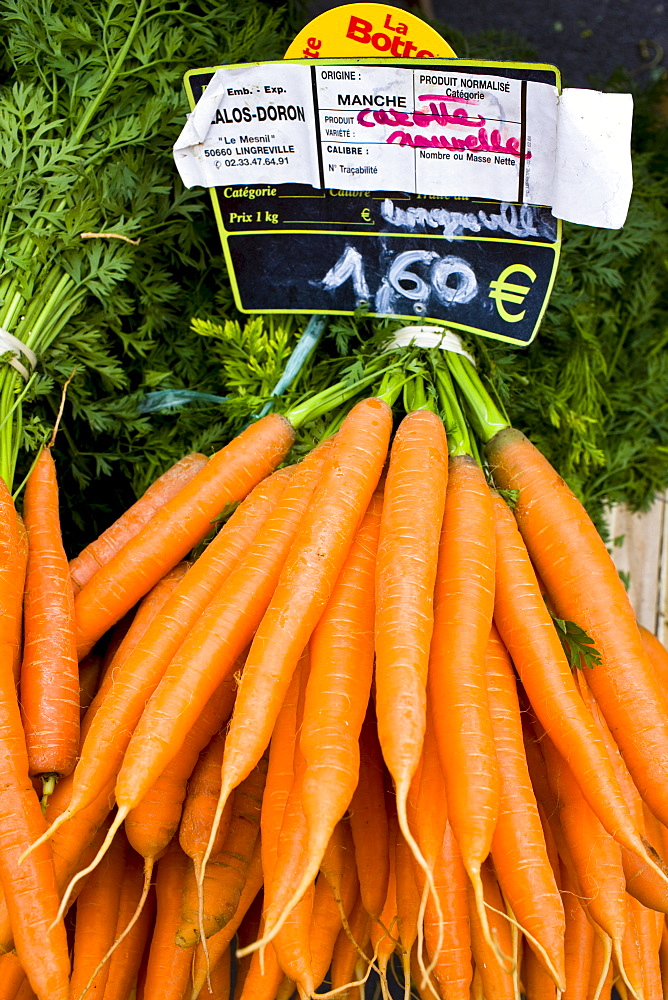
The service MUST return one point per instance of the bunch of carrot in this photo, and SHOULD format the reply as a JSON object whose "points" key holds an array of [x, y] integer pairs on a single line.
{"points": [[346, 737]]}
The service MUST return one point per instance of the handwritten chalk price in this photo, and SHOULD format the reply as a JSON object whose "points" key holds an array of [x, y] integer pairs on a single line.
{"points": [[449, 278]]}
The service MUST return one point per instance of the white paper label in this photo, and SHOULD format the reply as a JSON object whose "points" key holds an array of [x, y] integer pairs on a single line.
{"points": [[432, 131]]}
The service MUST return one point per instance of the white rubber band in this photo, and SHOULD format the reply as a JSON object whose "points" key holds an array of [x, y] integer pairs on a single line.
{"points": [[426, 336], [8, 342]]}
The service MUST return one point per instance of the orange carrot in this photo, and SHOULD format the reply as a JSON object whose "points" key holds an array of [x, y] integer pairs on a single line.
{"points": [[49, 671], [658, 656], [152, 641], [463, 605], [90, 675], [29, 889], [130, 940], [350, 945], [305, 584], [12, 975], [14, 551], [337, 693], [368, 821], [529, 634], [406, 569], [97, 916], [122, 646], [98, 553], [200, 805], [518, 846], [151, 825], [452, 959], [168, 967], [562, 540], [579, 941], [497, 980], [596, 858], [181, 523], [218, 943], [227, 873], [211, 648]]}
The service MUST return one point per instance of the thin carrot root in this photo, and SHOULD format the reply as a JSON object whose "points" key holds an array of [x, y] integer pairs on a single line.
{"points": [[425, 970], [148, 871], [518, 927], [505, 961], [430, 887], [270, 934], [57, 823], [606, 965], [200, 921], [622, 971], [106, 843], [371, 965]]}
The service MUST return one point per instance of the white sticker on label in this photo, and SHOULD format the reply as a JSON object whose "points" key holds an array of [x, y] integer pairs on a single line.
{"points": [[439, 132], [252, 125]]}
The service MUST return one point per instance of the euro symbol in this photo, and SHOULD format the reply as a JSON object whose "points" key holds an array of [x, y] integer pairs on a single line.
{"points": [[504, 291], [366, 215]]}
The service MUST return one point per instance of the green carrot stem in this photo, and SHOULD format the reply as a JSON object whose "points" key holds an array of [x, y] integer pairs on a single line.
{"points": [[485, 416], [459, 440]]}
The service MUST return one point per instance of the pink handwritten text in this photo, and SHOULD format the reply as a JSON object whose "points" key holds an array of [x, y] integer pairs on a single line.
{"points": [[480, 143]]}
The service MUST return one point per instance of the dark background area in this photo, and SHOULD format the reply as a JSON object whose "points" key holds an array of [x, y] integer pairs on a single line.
{"points": [[587, 39]]}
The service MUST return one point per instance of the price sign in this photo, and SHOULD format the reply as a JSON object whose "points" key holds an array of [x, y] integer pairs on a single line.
{"points": [[482, 265]]}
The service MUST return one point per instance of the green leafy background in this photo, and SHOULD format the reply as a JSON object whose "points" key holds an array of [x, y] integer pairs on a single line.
{"points": [[592, 391]]}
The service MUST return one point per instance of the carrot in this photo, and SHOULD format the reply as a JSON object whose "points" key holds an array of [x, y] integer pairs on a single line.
{"points": [[384, 931], [368, 821], [579, 941], [595, 856], [168, 966], [30, 889], [406, 569], [528, 632], [281, 769], [200, 804], [12, 975], [333, 900], [408, 903], [497, 981], [151, 825], [601, 967], [562, 540], [151, 643], [337, 694], [13, 552], [646, 931], [448, 936], [428, 788], [305, 584], [463, 604], [90, 675], [658, 656], [262, 984], [122, 646], [218, 943], [537, 982], [131, 935], [351, 943], [98, 553], [249, 930], [49, 671], [181, 523], [211, 648], [228, 870], [642, 880], [96, 919], [518, 845], [220, 978]]}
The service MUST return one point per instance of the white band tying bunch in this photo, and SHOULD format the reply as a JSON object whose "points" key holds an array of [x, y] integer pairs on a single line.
{"points": [[10, 343], [426, 336]]}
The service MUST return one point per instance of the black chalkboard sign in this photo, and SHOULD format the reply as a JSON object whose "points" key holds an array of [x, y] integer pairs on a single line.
{"points": [[476, 265]]}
